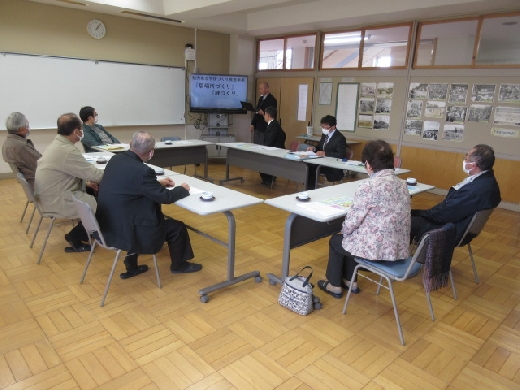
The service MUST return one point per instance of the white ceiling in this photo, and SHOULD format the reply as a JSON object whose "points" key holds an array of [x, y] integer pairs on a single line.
{"points": [[274, 17]]}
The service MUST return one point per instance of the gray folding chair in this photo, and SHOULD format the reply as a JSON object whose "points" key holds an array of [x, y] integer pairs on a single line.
{"points": [[401, 270], [15, 170], [30, 195], [92, 227], [473, 230]]}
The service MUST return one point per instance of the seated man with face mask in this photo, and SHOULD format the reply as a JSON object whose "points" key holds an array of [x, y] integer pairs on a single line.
{"points": [[332, 144], [479, 191]]}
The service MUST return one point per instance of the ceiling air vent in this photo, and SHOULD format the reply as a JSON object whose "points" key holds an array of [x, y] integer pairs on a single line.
{"points": [[151, 16]]}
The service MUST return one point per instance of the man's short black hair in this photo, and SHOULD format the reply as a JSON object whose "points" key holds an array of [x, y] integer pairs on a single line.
{"points": [[328, 119], [483, 156], [86, 112], [272, 112]]}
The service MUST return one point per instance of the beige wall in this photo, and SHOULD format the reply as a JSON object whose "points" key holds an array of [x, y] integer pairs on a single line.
{"points": [[33, 28]]}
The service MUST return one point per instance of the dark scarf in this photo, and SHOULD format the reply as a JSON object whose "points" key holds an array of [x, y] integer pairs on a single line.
{"points": [[439, 251]]}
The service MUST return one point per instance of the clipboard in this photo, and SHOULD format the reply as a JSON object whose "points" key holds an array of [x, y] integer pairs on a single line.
{"points": [[248, 106]]}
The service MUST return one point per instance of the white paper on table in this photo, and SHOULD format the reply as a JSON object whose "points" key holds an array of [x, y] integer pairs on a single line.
{"points": [[321, 208], [91, 158]]}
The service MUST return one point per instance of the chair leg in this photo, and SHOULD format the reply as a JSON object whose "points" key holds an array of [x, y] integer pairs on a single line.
{"points": [[429, 302], [30, 220], [477, 280], [92, 247], [379, 285], [110, 278], [36, 231], [157, 271], [453, 288], [24, 211], [350, 290], [396, 312], [46, 238]]}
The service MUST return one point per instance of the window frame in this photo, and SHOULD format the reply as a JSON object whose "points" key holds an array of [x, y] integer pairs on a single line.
{"points": [[285, 39]]}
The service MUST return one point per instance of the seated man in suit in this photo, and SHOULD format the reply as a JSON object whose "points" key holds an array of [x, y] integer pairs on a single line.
{"points": [[332, 144], [18, 149], [94, 134], [129, 210], [62, 172], [479, 191], [273, 136]]}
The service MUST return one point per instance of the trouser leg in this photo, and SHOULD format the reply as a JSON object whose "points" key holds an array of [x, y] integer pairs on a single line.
{"points": [[131, 262], [420, 226], [179, 243], [77, 235], [341, 263]]}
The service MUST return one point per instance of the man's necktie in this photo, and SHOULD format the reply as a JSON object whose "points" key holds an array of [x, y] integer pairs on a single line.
{"points": [[326, 141]]}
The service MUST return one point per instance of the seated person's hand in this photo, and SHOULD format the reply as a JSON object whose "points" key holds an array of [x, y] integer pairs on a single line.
{"points": [[92, 185], [320, 153], [167, 182], [185, 185], [310, 148]]}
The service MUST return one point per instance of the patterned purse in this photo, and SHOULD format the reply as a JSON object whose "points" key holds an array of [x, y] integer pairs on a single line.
{"points": [[296, 293]]}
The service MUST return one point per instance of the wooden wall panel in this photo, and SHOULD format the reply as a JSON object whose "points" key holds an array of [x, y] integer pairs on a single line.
{"points": [[444, 169]]}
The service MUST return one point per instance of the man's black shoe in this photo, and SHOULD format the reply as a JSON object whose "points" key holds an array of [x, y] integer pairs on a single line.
{"points": [[82, 248], [266, 183], [141, 269], [187, 268]]}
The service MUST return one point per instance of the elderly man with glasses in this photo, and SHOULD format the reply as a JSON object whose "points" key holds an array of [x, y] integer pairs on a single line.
{"points": [[479, 191]]}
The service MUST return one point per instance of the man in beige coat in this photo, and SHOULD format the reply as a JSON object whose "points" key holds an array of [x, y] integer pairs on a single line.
{"points": [[61, 173]]}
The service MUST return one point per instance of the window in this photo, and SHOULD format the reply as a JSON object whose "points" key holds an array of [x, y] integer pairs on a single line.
{"points": [[386, 47], [341, 50], [499, 41], [446, 43], [380, 47], [300, 52]]}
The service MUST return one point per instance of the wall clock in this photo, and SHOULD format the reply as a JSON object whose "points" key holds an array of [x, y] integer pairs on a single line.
{"points": [[96, 29]]}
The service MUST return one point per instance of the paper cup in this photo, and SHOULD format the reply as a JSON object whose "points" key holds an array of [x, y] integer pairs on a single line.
{"points": [[207, 195], [303, 195]]}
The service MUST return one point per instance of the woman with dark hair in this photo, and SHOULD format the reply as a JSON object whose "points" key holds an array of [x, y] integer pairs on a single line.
{"points": [[376, 227]]}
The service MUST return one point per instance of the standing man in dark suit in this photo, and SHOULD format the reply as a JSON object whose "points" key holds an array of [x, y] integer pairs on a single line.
{"points": [[332, 144], [258, 124], [273, 136], [129, 210]]}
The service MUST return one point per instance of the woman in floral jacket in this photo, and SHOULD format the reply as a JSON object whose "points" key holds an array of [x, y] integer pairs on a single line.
{"points": [[377, 226]]}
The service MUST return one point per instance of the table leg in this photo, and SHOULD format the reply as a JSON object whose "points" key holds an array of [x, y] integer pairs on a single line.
{"points": [[231, 279]]}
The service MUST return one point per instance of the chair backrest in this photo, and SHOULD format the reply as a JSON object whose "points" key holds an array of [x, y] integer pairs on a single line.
{"points": [[475, 226], [397, 162], [350, 153], [293, 147], [89, 221], [170, 139], [26, 187]]}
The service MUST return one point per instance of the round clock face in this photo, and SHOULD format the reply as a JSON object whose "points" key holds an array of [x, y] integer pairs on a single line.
{"points": [[96, 29]]}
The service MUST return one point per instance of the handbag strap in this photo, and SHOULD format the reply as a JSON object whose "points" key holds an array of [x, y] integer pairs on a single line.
{"points": [[306, 279]]}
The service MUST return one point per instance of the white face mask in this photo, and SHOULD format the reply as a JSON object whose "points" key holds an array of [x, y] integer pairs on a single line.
{"points": [[464, 167], [325, 131]]}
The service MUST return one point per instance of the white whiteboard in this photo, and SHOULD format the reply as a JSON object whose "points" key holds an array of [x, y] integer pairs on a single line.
{"points": [[43, 88], [346, 106]]}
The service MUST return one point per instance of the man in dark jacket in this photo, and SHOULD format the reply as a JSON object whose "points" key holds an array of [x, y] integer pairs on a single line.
{"points": [[258, 124], [479, 191], [129, 209], [273, 136], [332, 144]]}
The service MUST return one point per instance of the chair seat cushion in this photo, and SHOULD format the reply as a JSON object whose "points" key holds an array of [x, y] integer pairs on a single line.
{"points": [[396, 269]]}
